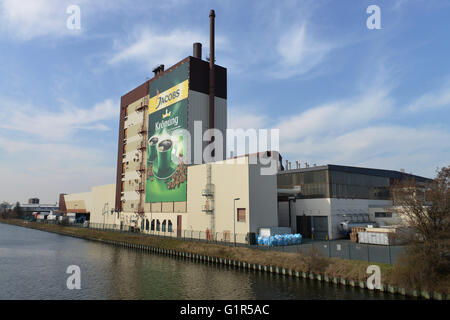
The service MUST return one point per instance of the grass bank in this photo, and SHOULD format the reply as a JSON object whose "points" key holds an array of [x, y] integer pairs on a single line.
{"points": [[308, 262]]}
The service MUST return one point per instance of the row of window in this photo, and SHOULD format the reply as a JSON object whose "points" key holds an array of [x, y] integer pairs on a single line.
{"points": [[166, 225], [156, 225], [336, 184], [383, 214]]}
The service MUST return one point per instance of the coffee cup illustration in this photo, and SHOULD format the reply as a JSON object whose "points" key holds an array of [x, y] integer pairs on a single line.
{"points": [[165, 166], [152, 152]]}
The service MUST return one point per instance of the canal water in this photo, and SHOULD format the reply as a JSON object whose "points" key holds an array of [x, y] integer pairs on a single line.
{"points": [[33, 265]]}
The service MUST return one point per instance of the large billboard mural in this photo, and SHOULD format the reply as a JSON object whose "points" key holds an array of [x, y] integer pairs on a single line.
{"points": [[167, 141]]}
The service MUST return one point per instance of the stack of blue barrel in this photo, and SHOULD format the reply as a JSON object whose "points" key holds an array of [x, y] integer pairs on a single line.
{"points": [[280, 240]]}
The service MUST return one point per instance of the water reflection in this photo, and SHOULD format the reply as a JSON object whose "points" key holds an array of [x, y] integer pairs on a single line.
{"points": [[33, 265]]}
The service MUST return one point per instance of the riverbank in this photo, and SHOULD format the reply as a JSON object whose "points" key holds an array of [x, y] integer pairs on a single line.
{"points": [[338, 271]]}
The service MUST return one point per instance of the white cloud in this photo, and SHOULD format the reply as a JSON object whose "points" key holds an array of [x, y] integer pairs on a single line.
{"points": [[433, 100], [246, 118], [27, 19], [24, 20], [44, 169], [152, 47], [56, 126], [418, 150], [41, 158], [354, 132], [33, 174], [299, 52], [336, 117], [243, 118]]}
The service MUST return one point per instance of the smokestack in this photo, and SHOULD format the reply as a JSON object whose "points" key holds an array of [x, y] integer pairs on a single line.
{"points": [[296, 165], [212, 15], [197, 50], [158, 69]]}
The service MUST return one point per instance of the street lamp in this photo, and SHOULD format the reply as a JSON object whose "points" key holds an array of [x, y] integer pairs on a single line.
{"points": [[104, 212], [234, 219]]}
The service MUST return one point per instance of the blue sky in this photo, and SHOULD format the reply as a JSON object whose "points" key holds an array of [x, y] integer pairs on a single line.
{"points": [[339, 92]]}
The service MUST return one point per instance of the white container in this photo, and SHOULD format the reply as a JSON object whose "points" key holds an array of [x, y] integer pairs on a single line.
{"points": [[381, 238], [271, 231], [264, 232]]}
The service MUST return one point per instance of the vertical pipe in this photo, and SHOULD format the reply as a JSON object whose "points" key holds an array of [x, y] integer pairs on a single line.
{"points": [[197, 50], [212, 15]]}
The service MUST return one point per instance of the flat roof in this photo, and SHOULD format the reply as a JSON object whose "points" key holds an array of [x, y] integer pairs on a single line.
{"points": [[367, 171], [36, 205]]}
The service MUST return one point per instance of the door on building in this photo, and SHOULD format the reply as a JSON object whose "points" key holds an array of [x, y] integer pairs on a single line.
{"points": [[179, 226], [320, 227], [304, 226]]}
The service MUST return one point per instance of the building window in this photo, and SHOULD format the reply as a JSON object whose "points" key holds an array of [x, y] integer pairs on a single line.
{"points": [[169, 226], [241, 214], [383, 214], [146, 224], [152, 226], [164, 226], [158, 225]]}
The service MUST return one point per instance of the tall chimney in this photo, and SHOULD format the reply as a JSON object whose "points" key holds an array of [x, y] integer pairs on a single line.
{"points": [[158, 69], [212, 15], [197, 50]]}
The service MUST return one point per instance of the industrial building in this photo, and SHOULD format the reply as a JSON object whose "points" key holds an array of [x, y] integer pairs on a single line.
{"points": [[97, 205], [314, 201], [33, 206], [162, 188]]}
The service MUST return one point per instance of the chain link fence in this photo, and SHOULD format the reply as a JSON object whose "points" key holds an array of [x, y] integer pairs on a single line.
{"points": [[346, 249]]}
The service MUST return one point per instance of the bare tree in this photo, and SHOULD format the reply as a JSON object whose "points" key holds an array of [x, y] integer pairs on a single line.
{"points": [[19, 211], [3, 209], [425, 209]]}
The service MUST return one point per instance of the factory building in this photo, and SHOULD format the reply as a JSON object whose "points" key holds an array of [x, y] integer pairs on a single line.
{"points": [[144, 119], [164, 187], [314, 201], [97, 205], [38, 208], [223, 198]]}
